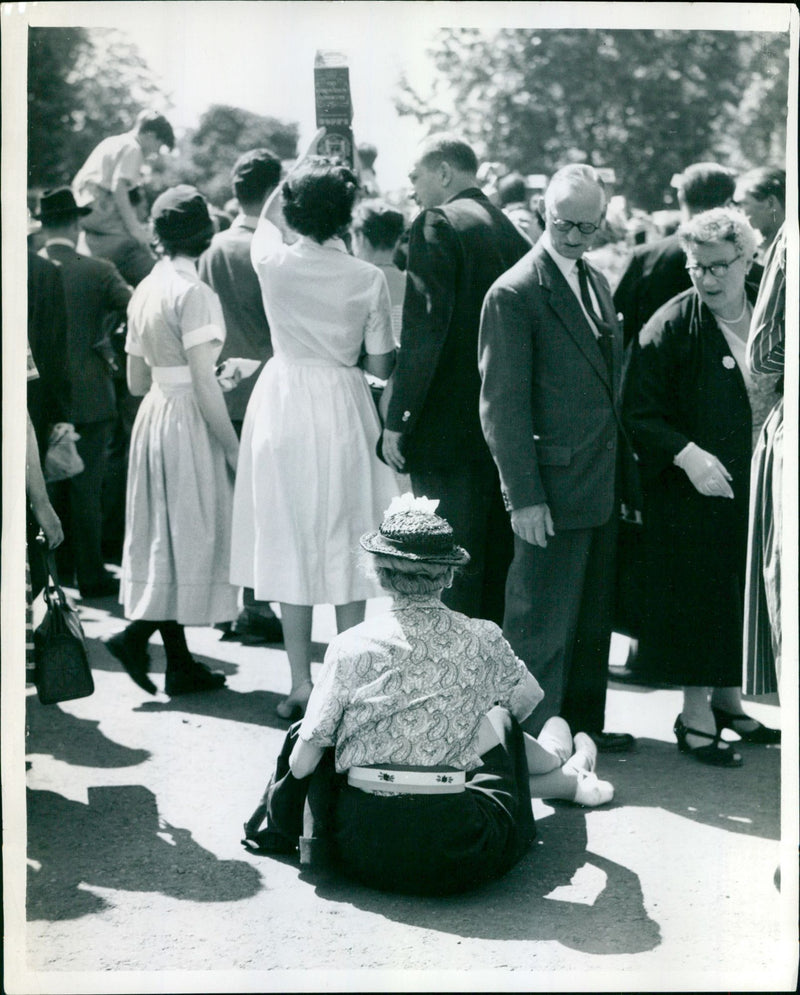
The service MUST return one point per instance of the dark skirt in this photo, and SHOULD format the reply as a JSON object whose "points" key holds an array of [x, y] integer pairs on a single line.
{"points": [[695, 549], [434, 844]]}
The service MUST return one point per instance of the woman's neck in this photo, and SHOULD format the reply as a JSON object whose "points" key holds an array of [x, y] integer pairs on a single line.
{"points": [[733, 314]]}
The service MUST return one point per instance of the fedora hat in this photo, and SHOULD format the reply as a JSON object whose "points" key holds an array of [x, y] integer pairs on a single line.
{"points": [[412, 531], [59, 205]]}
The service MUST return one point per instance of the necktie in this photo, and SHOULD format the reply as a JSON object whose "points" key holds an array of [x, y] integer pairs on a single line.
{"points": [[605, 331]]}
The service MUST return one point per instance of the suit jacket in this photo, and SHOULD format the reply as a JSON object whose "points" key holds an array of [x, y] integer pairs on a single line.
{"points": [[549, 409], [49, 396], [455, 252], [655, 274], [94, 290], [226, 267]]}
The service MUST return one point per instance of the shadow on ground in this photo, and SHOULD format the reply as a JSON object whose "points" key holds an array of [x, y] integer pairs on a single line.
{"points": [[739, 800], [253, 707], [118, 841], [51, 731], [520, 906]]}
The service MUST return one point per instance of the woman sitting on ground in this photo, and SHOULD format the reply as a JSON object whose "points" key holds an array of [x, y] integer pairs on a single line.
{"points": [[410, 762]]}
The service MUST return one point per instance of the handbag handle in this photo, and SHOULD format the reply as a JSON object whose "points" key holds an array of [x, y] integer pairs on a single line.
{"points": [[50, 565]]}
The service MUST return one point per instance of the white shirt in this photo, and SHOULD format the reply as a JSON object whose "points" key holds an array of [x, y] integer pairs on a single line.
{"points": [[569, 268]]}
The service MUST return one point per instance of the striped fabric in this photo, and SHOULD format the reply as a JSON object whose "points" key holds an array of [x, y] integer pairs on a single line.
{"points": [[766, 342], [762, 610]]}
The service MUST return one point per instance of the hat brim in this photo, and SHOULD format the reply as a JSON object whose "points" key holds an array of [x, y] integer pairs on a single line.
{"points": [[374, 542], [69, 212]]}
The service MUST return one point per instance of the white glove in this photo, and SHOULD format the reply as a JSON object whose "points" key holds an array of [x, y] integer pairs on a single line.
{"points": [[707, 474]]}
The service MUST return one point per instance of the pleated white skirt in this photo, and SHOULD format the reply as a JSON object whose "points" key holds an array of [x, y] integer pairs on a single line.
{"points": [[308, 485], [179, 507]]}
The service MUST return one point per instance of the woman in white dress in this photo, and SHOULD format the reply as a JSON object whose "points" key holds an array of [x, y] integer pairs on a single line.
{"points": [[182, 457], [308, 481]]}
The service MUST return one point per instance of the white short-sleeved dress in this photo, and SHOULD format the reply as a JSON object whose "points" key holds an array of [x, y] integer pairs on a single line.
{"points": [[180, 488], [308, 482]]}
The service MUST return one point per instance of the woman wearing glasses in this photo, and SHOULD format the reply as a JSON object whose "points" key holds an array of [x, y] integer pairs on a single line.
{"points": [[689, 406]]}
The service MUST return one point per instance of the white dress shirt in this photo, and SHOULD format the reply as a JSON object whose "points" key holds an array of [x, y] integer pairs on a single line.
{"points": [[569, 268]]}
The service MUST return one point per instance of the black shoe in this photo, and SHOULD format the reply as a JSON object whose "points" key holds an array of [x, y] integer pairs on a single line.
{"points": [[106, 587], [613, 742], [761, 734], [253, 627], [134, 659], [718, 753], [195, 677], [267, 841]]}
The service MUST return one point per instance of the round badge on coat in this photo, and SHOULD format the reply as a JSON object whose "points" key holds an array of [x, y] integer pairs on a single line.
{"points": [[728, 362]]}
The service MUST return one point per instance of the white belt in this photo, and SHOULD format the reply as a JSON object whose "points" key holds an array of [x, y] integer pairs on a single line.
{"points": [[171, 374], [405, 781]]}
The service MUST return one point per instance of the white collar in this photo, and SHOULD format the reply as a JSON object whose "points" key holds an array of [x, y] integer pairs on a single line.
{"points": [[59, 241], [335, 243], [247, 221], [184, 265], [567, 266]]}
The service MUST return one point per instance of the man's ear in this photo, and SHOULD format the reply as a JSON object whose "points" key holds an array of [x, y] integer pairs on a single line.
{"points": [[445, 173]]}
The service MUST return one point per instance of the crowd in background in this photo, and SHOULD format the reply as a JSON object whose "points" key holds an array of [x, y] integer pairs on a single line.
{"points": [[250, 388]]}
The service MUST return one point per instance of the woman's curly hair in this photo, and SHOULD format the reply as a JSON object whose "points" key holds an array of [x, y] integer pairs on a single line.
{"points": [[318, 199]]}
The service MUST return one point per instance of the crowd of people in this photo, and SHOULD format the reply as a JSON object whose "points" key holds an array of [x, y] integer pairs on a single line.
{"points": [[323, 400]]}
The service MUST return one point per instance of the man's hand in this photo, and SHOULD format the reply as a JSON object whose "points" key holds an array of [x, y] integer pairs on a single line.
{"points": [[533, 524], [391, 450]]}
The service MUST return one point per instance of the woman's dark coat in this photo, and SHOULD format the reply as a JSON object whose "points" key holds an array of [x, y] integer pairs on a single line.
{"points": [[683, 385]]}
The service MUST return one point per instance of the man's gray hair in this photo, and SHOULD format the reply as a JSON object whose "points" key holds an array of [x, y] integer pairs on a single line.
{"points": [[576, 174]]}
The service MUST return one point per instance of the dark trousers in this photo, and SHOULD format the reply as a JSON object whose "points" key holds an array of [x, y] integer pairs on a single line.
{"points": [[559, 608], [471, 500], [78, 502]]}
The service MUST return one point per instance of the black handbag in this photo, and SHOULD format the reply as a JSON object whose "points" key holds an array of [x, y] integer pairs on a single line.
{"points": [[62, 670]]}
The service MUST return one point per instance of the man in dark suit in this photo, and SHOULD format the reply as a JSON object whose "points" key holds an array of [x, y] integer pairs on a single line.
{"points": [[550, 359], [458, 245], [656, 271], [94, 292]]}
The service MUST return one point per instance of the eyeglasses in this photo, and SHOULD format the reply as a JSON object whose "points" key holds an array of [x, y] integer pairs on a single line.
{"points": [[717, 270], [584, 227]]}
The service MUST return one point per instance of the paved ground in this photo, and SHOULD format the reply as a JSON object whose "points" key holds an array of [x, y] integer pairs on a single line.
{"points": [[137, 880]]}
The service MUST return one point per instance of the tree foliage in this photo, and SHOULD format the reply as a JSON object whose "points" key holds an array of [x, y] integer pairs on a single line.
{"points": [[645, 103], [224, 132], [83, 85]]}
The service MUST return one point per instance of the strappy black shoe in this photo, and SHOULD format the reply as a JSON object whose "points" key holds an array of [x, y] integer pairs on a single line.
{"points": [[761, 733], [717, 753]]}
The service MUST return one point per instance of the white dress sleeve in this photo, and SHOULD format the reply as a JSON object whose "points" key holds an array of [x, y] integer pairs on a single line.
{"points": [[201, 317]]}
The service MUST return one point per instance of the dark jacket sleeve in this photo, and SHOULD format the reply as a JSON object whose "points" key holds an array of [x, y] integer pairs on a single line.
{"points": [[49, 397], [505, 359], [626, 298], [651, 391], [433, 253]]}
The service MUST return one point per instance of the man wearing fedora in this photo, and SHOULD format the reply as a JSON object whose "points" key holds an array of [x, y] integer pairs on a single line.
{"points": [[94, 290], [226, 267]]}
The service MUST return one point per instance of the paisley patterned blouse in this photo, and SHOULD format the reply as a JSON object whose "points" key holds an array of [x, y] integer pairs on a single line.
{"points": [[409, 687]]}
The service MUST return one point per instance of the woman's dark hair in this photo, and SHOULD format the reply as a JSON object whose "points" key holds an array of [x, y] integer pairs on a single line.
{"points": [[318, 200], [380, 224], [765, 181], [512, 189], [193, 246]]}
